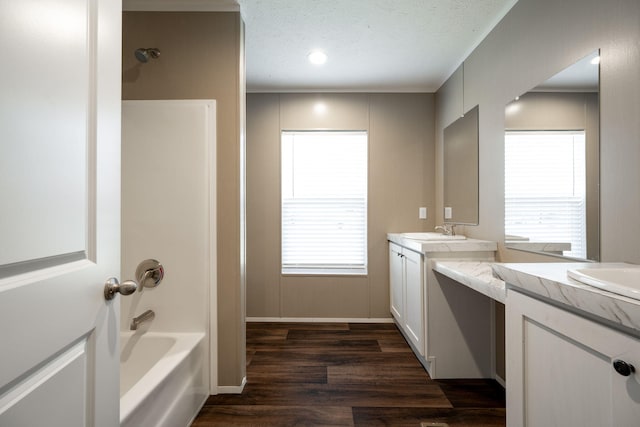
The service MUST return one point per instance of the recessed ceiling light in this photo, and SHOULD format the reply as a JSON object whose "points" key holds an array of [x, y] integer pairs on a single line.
{"points": [[317, 57], [320, 108]]}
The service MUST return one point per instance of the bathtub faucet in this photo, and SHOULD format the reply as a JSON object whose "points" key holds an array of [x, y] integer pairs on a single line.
{"points": [[136, 321]]}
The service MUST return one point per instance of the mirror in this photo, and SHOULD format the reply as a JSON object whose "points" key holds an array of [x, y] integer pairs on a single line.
{"points": [[461, 170], [552, 170]]}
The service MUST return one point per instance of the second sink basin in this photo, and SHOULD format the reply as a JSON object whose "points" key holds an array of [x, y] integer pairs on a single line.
{"points": [[432, 236], [622, 281]]}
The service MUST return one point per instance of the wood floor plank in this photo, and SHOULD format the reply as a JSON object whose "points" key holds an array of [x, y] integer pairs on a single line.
{"points": [[299, 325], [394, 346], [412, 417], [296, 357], [285, 373], [313, 335], [380, 375], [329, 345], [372, 326], [429, 395], [266, 335], [276, 416], [474, 393]]}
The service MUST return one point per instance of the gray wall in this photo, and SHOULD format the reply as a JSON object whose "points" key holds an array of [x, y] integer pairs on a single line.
{"points": [[535, 40], [401, 155]]}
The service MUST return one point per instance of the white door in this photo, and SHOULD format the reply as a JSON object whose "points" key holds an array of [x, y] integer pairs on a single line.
{"points": [[396, 282], [413, 309], [59, 211]]}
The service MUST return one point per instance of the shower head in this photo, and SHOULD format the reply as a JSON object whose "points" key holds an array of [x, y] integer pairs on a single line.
{"points": [[144, 53]]}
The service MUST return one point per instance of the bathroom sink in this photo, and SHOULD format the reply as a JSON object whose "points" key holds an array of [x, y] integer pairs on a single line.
{"points": [[432, 236], [619, 280]]}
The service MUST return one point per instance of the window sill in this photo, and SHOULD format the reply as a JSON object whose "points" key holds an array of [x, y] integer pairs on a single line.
{"points": [[324, 272]]}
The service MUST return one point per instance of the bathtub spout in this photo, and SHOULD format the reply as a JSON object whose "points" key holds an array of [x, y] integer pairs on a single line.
{"points": [[136, 321]]}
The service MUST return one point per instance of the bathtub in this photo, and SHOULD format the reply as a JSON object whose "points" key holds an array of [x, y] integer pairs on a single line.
{"points": [[162, 378]]}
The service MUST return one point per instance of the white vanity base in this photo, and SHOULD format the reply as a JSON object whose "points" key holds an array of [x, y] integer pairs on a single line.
{"points": [[448, 326]]}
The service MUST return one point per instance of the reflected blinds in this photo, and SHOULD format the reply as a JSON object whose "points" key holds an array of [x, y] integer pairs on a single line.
{"points": [[545, 187]]}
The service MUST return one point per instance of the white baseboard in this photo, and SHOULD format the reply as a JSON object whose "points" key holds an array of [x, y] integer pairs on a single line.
{"points": [[321, 319], [232, 389]]}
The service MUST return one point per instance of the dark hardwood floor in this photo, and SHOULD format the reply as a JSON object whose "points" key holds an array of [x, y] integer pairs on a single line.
{"points": [[346, 374]]}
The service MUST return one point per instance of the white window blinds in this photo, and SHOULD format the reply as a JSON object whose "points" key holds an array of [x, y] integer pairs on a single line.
{"points": [[545, 187], [324, 202]]}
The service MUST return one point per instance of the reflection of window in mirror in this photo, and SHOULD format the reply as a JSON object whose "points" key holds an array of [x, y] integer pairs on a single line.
{"points": [[563, 104], [545, 195]]}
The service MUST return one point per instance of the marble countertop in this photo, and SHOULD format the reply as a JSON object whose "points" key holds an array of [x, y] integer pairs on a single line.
{"points": [[427, 246], [556, 247], [477, 275], [549, 281]]}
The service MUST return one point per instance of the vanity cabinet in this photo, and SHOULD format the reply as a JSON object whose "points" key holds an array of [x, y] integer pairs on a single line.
{"points": [[407, 293], [396, 282], [448, 326], [565, 369]]}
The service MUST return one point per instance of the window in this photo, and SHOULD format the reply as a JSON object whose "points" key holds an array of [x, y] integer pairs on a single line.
{"points": [[545, 193], [324, 202]]}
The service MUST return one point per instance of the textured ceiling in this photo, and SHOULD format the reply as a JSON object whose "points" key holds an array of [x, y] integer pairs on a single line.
{"points": [[373, 45]]}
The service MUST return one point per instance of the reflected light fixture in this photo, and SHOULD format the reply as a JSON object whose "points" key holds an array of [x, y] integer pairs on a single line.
{"points": [[317, 57], [595, 60]]}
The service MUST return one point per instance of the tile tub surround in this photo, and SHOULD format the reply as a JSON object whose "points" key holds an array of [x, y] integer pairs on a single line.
{"points": [[477, 275], [549, 281], [428, 246]]}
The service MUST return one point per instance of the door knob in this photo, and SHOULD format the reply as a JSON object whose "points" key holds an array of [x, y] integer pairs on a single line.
{"points": [[113, 287], [623, 368]]}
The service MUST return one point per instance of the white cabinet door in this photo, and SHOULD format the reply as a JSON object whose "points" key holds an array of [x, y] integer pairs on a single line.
{"points": [[396, 282], [560, 369], [414, 291], [60, 216]]}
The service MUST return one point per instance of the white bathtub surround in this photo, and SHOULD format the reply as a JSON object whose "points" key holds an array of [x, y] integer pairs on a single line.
{"points": [[169, 214], [549, 281], [477, 275], [162, 379]]}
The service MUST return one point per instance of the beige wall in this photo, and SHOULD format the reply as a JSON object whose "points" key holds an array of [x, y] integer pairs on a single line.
{"points": [[401, 153], [201, 58], [535, 40]]}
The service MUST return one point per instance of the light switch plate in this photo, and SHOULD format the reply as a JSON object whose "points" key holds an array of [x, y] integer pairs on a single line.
{"points": [[422, 213], [448, 213]]}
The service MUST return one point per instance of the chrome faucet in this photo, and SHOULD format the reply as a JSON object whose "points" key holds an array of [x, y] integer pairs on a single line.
{"points": [[136, 321], [447, 229]]}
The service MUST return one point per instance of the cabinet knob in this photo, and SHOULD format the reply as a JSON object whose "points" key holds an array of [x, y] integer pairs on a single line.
{"points": [[623, 368]]}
